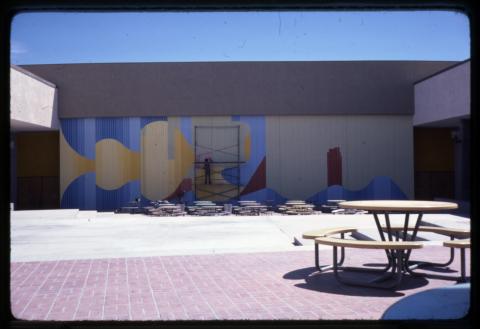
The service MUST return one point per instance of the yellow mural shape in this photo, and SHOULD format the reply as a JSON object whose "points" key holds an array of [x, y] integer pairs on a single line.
{"points": [[154, 160], [180, 166], [221, 190], [247, 146], [161, 176], [115, 164], [73, 164]]}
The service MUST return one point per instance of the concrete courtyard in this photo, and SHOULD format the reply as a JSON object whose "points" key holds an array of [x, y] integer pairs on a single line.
{"points": [[79, 265]]}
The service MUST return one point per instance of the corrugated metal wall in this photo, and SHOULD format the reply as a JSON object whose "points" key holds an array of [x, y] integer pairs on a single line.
{"points": [[107, 162], [370, 146]]}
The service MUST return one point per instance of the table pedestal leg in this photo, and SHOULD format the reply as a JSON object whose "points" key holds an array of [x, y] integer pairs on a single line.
{"points": [[397, 264]]}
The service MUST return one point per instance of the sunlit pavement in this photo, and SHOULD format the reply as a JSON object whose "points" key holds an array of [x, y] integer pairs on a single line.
{"points": [[253, 284]]}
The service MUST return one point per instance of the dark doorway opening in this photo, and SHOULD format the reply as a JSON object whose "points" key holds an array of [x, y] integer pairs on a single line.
{"points": [[37, 170], [434, 154]]}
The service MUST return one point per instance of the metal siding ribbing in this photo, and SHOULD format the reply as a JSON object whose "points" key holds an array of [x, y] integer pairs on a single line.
{"points": [[379, 146], [295, 148], [371, 146], [146, 120], [105, 180], [125, 130], [80, 135]]}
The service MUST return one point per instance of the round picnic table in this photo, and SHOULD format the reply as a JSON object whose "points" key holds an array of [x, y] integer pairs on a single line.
{"points": [[408, 207]]}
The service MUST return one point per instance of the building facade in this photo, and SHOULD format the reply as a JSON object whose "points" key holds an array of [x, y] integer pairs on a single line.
{"points": [[273, 130]]}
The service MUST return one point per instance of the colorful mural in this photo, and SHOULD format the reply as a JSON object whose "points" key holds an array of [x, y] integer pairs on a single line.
{"points": [[107, 162], [100, 161], [380, 188]]}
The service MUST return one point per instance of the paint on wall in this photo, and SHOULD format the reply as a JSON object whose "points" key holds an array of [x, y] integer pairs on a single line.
{"points": [[371, 145], [380, 188], [107, 162], [334, 166]]}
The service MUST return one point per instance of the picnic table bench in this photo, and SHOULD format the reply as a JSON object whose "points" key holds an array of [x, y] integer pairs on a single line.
{"points": [[397, 248]]}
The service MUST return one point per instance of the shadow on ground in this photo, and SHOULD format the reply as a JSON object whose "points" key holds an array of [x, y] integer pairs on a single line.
{"points": [[327, 283]]}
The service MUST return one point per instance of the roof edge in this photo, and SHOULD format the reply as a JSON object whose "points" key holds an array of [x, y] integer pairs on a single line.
{"points": [[441, 71], [244, 62], [32, 75]]}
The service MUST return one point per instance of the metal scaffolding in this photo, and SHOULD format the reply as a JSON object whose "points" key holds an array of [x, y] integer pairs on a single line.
{"points": [[221, 145]]}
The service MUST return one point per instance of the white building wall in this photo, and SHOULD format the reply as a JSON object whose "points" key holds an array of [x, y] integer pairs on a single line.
{"points": [[443, 96], [32, 102]]}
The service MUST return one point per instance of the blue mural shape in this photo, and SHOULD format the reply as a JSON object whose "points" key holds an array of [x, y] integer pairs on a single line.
{"points": [[124, 130], [266, 195], [186, 129], [257, 150], [146, 120], [80, 194], [80, 135], [379, 188], [109, 200]]}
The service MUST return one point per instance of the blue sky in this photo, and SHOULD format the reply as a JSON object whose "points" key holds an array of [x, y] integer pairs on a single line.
{"points": [[49, 38]]}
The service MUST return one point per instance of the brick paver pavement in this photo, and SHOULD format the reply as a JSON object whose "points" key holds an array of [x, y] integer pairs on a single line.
{"points": [[274, 285]]}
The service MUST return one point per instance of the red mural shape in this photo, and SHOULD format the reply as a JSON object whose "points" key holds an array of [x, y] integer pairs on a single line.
{"points": [[258, 180], [184, 186], [334, 166]]}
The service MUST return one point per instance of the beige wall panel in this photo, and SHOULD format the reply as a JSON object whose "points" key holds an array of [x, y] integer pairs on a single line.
{"points": [[378, 146], [297, 152], [370, 146], [154, 162]]}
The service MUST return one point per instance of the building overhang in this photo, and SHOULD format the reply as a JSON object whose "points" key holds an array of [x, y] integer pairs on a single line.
{"points": [[33, 102], [23, 126], [446, 123], [443, 100]]}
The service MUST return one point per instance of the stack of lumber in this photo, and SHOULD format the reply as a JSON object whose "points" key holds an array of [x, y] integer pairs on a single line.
{"points": [[331, 206], [296, 207], [249, 208], [133, 207], [206, 208], [165, 208]]}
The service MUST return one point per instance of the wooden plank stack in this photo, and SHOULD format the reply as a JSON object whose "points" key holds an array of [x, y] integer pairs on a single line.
{"points": [[296, 207], [165, 208], [206, 208], [249, 208], [331, 206]]}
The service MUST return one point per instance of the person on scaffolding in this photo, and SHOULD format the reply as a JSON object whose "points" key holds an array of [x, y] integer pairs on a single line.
{"points": [[206, 166]]}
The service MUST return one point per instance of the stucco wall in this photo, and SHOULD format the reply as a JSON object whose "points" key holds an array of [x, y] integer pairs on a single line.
{"points": [[32, 102], [443, 96]]}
